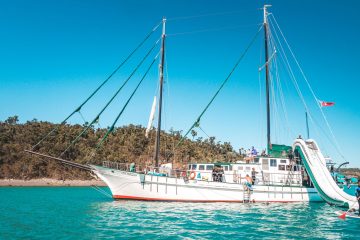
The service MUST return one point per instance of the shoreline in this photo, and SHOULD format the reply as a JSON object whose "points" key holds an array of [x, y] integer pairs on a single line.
{"points": [[46, 182]]}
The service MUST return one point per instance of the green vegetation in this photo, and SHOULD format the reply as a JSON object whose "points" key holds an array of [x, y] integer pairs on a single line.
{"points": [[355, 172], [126, 144]]}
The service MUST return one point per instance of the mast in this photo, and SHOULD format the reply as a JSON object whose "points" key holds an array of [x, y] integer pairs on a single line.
{"points": [[161, 80], [268, 142]]}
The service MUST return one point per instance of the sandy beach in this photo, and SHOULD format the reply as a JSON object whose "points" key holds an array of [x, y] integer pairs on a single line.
{"points": [[49, 182]]}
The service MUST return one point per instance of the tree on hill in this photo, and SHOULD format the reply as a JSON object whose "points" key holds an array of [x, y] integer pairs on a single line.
{"points": [[125, 144]]}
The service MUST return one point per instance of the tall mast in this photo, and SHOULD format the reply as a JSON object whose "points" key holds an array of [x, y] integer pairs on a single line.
{"points": [[267, 77], [161, 80]]}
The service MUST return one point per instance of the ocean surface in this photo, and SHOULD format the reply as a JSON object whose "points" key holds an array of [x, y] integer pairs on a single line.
{"points": [[84, 213]]}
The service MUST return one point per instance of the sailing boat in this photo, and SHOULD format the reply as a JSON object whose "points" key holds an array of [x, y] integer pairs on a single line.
{"points": [[278, 179], [295, 173]]}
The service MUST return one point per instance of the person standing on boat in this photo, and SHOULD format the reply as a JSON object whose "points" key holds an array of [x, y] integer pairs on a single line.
{"points": [[221, 175], [357, 194], [254, 152], [305, 177], [132, 167], [241, 152], [215, 174], [290, 155], [263, 153], [253, 175], [332, 172], [248, 156]]}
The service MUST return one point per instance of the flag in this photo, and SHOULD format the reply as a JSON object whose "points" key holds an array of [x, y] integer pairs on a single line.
{"points": [[326, 104]]}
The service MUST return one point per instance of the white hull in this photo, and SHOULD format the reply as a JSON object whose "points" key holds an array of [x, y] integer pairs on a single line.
{"points": [[135, 186]]}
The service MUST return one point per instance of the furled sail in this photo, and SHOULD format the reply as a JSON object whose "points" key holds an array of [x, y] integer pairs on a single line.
{"points": [[151, 118]]}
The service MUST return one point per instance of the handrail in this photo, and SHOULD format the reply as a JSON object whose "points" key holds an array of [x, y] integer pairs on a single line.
{"points": [[234, 177]]}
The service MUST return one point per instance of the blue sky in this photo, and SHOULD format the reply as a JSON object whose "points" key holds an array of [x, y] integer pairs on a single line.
{"points": [[54, 53]]}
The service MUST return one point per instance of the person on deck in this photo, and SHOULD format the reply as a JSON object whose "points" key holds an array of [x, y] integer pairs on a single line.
{"points": [[332, 172], [253, 175], [263, 153], [305, 177], [290, 155], [357, 194], [248, 156], [214, 174], [254, 152], [132, 167], [221, 175]]}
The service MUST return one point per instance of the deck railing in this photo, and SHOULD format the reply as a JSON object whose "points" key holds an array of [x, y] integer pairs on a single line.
{"points": [[261, 178], [117, 165]]}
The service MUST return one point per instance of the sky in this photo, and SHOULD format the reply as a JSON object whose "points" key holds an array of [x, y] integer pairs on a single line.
{"points": [[53, 54]]}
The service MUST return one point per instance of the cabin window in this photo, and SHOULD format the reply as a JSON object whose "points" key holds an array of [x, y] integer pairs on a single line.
{"points": [[256, 160], [247, 168], [189, 167], [296, 168], [230, 168], [265, 164], [240, 168], [226, 168], [282, 161], [209, 167], [281, 167], [273, 162], [201, 167], [288, 167], [193, 167]]}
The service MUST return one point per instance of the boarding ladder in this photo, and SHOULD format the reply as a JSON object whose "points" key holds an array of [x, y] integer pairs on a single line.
{"points": [[246, 195]]}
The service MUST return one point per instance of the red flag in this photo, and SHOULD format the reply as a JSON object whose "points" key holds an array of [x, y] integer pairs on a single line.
{"points": [[326, 104]]}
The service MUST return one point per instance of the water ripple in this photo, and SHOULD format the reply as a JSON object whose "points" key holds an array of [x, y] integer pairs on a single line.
{"points": [[80, 213]]}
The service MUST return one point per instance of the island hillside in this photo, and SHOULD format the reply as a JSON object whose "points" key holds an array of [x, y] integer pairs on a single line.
{"points": [[126, 144]]}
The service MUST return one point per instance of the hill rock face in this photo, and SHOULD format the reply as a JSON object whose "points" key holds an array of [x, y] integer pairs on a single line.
{"points": [[125, 145]]}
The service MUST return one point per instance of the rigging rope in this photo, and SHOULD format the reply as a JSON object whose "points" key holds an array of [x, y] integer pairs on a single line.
{"points": [[208, 15], [166, 101], [285, 60], [97, 188], [278, 85], [203, 131], [127, 102], [111, 99], [212, 30], [296, 85], [197, 122], [261, 112], [290, 71], [311, 90], [82, 117], [274, 112], [282, 99], [101, 85]]}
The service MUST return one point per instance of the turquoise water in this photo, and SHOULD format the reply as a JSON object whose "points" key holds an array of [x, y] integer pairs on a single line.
{"points": [[83, 213]]}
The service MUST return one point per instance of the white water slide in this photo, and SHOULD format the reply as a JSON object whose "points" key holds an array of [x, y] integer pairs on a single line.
{"points": [[324, 183]]}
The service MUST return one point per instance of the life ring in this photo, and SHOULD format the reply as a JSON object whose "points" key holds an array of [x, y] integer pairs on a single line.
{"points": [[192, 175]]}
